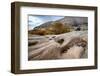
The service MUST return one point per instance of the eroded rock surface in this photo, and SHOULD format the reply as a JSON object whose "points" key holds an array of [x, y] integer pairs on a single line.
{"points": [[70, 45]]}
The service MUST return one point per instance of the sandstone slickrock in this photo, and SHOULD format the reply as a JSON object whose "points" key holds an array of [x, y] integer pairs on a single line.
{"points": [[48, 46]]}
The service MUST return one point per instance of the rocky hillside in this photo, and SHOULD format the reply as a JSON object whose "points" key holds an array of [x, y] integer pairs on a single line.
{"points": [[64, 25], [71, 21], [44, 25], [75, 21]]}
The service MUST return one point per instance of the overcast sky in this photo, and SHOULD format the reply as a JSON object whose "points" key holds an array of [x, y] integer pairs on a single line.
{"points": [[36, 20]]}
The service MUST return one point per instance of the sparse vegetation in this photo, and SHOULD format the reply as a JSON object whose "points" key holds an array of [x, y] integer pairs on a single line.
{"points": [[55, 28], [32, 43], [60, 41]]}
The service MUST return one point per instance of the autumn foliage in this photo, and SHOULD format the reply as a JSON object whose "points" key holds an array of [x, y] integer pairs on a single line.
{"points": [[54, 28]]}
